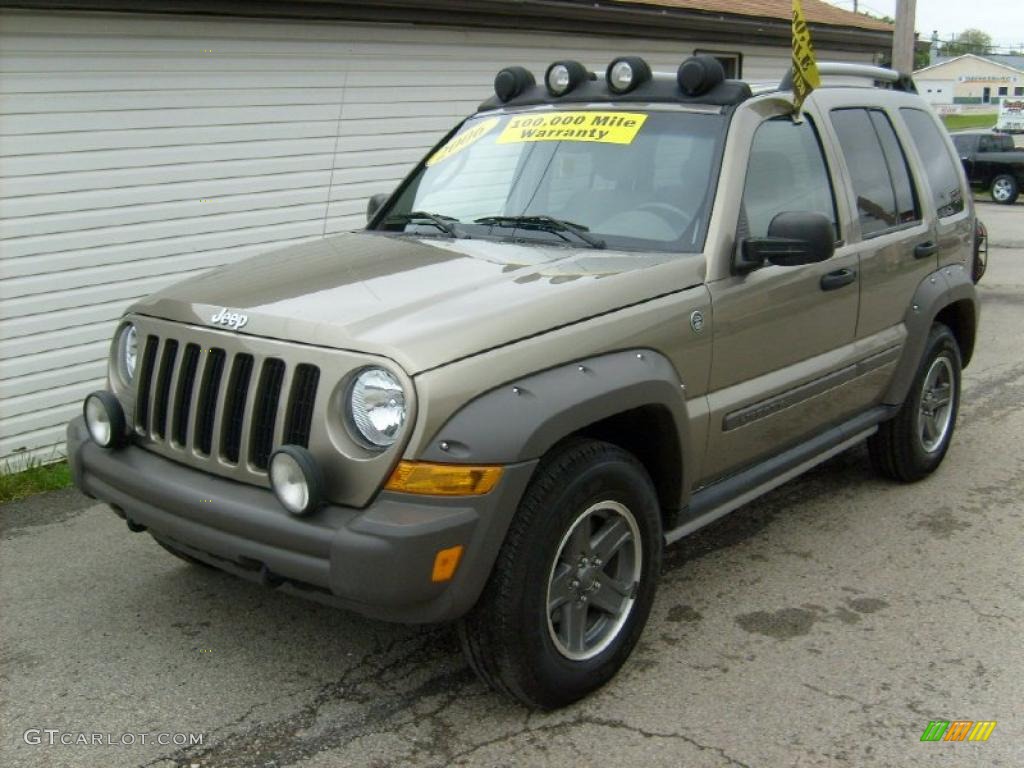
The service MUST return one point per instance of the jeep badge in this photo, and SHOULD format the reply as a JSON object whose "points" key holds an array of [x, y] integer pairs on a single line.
{"points": [[232, 320]]}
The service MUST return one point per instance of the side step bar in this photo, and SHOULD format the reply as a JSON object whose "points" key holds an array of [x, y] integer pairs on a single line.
{"points": [[719, 499]]}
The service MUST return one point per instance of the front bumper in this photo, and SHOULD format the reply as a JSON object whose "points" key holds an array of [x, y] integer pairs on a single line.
{"points": [[376, 561]]}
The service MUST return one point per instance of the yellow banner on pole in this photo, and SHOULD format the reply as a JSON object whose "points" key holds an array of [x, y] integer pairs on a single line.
{"points": [[805, 67]]}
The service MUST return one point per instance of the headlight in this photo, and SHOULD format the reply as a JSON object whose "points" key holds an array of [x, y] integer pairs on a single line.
{"points": [[377, 407], [127, 353]]}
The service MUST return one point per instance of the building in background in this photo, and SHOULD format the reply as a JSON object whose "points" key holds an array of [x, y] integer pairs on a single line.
{"points": [[972, 79], [140, 144]]}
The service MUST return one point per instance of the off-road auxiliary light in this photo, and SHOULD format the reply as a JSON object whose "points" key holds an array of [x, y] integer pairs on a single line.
{"points": [[563, 76], [699, 74], [104, 418], [512, 81], [626, 73], [296, 479]]}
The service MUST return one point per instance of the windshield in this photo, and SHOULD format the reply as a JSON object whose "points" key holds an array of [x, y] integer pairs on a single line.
{"points": [[586, 178]]}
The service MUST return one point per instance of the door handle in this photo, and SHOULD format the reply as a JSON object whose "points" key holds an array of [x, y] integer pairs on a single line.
{"points": [[838, 279], [924, 250]]}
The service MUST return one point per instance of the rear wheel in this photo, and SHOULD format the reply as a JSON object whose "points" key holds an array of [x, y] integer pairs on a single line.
{"points": [[573, 584], [914, 442], [1005, 189]]}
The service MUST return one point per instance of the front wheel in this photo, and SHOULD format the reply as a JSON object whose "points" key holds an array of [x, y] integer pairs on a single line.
{"points": [[913, 443], [1005, 189], [574, 582]]}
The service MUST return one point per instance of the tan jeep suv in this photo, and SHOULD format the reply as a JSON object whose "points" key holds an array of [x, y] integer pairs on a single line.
{"points": [[603, 312]]}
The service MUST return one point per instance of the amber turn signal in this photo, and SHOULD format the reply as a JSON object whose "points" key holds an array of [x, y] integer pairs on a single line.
{"points": [[445, 563], [443, 479]]}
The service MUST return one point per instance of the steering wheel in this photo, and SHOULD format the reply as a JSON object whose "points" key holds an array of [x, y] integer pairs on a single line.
{"points": [[677, 218]]}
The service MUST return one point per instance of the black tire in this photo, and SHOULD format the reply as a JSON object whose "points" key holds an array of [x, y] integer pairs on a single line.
{"points": [[509, 637], [1005, 189], [182, 556], [899, 449]]}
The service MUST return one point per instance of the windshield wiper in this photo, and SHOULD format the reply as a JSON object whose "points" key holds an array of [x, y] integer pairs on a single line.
{"points": [[545, 224], [443, 223]]}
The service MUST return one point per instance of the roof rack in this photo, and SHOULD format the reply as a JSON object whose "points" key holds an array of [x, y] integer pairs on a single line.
{"points": [[896, 80]]}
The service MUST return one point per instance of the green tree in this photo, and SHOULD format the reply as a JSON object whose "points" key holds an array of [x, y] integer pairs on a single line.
{"points": [[921, 57], [968, 41]]}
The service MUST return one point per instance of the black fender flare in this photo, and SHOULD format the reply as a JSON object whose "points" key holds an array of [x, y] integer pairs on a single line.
{"points": [[522, 419], [942, 288]]}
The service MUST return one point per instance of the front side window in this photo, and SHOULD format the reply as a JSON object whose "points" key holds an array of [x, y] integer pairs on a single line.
{"points": [[939, 164], [878, 170], [630, 180], [786, 172]]}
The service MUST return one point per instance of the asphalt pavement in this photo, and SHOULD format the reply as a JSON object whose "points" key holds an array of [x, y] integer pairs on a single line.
{"points": [[825, 624]]}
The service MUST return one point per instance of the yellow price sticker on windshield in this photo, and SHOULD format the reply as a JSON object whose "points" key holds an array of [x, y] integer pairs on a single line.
{"points": [[604, 127], [465, 139]]}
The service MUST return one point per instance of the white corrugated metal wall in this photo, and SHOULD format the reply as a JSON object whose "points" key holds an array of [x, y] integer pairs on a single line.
{"points": [[137, 150]]}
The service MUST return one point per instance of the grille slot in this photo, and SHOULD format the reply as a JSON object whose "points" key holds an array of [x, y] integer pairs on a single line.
{"points": [[163, 388], [234, 407], [268, 394], [145, 383], [183, 397], [206, 410], [300, 405]]}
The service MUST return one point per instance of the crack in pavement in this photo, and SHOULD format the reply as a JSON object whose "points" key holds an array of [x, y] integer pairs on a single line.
{"points": [[602, 722]]}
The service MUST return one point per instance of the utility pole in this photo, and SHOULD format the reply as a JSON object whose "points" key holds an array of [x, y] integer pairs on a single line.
{"points": [[903, 37]]}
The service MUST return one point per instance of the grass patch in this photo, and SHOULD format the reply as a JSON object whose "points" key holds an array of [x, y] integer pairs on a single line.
{"points": [[967, 122], [37, 478]]}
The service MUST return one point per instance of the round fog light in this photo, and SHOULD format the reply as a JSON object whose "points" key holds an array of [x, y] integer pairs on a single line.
{"points": [[104, 418], [296, 479]]}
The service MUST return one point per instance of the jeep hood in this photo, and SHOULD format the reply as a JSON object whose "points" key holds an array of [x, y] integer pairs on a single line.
{"points": [[421, 302]]}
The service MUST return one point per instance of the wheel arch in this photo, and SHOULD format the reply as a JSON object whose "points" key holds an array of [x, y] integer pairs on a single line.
{"points": [[631, 398], [960, 317], [947, 296], [646, 432]]}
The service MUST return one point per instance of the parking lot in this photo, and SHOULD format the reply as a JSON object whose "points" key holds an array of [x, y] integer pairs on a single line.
{"points": [[823, 625]]}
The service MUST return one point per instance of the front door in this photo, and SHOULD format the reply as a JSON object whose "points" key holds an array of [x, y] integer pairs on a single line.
{"points": [[782, 335]]}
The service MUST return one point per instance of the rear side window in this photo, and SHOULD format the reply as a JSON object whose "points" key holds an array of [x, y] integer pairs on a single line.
{"points": [[787, 172], [907, 209], [943, 176], [878, 170]]}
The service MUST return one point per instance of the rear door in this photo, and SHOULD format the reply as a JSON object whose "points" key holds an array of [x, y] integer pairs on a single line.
{"points": [[897, 248], [938, 175]]}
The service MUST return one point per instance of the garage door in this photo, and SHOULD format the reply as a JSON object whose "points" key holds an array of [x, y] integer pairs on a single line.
{"points": [[137, 150]]}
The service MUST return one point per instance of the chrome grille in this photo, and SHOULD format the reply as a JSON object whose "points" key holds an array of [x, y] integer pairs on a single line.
{"points": [[202, 401]]}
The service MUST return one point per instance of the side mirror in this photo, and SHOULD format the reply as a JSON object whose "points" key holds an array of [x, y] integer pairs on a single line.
{"points": [[374, 204], [794, 238]]}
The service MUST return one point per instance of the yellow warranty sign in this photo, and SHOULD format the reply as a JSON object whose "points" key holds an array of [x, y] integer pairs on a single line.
{"points": [[465, 139], [605, 127]]}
